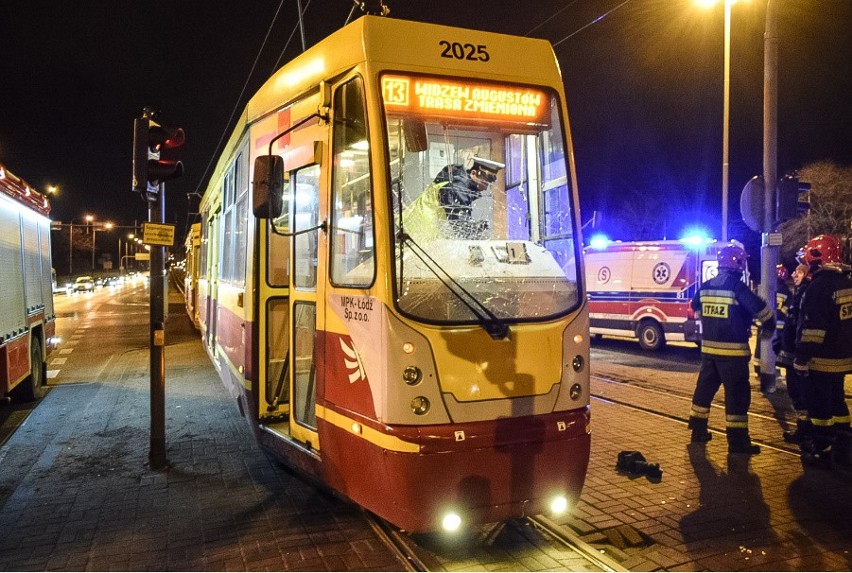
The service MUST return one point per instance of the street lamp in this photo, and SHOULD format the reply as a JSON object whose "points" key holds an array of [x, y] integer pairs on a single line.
{"points": [[726, 106], [95, 229]]}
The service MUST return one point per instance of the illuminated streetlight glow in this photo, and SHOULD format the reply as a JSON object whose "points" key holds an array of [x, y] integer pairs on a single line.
{"points": [[726, 107]]}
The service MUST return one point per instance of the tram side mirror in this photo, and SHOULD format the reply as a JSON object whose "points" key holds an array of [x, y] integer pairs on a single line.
{"points": [[414, 132], [268, 187]]}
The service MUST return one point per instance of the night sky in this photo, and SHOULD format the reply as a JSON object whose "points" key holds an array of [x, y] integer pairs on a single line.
{"points": [[644, 88]]}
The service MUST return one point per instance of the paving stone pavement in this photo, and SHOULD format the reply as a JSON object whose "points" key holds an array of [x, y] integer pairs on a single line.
{"points": [[76, 492], [710, 511]]}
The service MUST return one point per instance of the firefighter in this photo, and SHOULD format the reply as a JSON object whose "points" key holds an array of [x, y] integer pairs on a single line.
{"points": [[784, 345], [824, 352], [447, 201], [782, 300], [727, 308]]}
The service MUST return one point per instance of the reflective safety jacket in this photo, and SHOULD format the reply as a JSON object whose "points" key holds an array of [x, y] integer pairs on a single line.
{"points": [[727, 309], [785, 342], [421, 219], [782, 302], [824, 334]]}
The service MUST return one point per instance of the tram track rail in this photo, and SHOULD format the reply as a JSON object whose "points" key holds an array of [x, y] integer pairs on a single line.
{"points": [[669, 393], [567, 538], [412, 556], [400, 544]]}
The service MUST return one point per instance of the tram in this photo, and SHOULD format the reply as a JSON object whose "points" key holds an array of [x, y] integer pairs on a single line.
{"points": [[418, 343], [191, 270]]}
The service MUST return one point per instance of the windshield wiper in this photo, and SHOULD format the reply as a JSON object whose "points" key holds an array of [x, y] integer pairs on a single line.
{"points": [[490, 322]]}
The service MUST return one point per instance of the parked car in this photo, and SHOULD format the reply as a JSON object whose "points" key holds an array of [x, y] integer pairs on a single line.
{"points": [[84, 284]]}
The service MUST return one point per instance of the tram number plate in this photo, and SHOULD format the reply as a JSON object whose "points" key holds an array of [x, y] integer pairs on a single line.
{"points": [[459, 51]]}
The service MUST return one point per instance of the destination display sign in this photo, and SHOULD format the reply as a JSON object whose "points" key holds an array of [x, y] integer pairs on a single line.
{"points": [[439, 96]]}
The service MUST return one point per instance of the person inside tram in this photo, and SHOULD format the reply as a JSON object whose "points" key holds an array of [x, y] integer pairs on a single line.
{"points": [[447, 201]]}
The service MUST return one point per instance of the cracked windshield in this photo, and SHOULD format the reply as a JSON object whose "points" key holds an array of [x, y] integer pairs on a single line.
{"points": [[482, 201]]}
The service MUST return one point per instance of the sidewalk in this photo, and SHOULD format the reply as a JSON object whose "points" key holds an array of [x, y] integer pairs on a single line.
{"points": [[710, 511], [76, 492]]}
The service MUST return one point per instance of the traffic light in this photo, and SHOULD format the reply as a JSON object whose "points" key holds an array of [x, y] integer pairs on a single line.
{"points": [[149, 170], [792, 197]]}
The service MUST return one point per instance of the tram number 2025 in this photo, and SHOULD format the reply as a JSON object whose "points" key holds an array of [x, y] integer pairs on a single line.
{"points": [[459, 51]]}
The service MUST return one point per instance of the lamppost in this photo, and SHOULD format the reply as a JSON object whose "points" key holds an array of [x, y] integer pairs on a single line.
{"points": [[726, 107], [95, 229]]}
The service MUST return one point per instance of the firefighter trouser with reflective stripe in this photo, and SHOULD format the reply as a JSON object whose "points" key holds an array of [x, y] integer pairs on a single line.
{"points": [[733, 374], [794, 389], [826, 406]]}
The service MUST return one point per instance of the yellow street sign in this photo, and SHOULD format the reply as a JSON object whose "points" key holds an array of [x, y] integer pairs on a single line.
{"points": [[158, 234]]}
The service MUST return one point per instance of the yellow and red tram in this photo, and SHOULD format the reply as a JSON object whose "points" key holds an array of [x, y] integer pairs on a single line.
{"points": [[417, 342]]}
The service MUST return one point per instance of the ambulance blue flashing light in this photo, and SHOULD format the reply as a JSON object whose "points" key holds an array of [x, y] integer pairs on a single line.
{"points": [[695, 238], [599, 242]]}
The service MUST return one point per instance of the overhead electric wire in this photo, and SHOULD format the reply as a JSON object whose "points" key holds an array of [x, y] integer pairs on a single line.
{"points": [[557, 13], [289, 39], [595, 21], [240, 97]]}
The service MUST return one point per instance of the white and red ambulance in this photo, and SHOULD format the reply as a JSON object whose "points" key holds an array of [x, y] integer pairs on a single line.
{"points": [[643, 289]]}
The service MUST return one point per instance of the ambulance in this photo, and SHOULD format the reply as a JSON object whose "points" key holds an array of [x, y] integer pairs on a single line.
{"points": [[643, 289]]}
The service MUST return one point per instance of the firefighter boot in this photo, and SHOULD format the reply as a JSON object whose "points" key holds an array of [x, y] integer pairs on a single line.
{"points": [[739, 442], [799, 434], [699, 430]]}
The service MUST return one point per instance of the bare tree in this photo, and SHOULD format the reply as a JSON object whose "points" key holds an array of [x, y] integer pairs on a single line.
{"points": [[830, 209]]}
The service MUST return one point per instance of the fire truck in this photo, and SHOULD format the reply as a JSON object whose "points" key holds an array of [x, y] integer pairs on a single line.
{"points": [[27, 319], [643, 289]]}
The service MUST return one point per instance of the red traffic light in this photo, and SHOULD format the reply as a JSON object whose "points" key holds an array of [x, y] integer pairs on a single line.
{"points": [[149, 170], [160, 136]]}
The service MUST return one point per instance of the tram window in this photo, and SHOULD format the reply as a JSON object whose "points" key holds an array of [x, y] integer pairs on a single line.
{"points": [[205, 243], [304, 367], [277, 346], [352, 244], [278, 245], [305, 184], [510, 242]]}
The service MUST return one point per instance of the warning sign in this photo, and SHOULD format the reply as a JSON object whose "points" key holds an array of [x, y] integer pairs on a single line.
{"points": [[158, 234]]}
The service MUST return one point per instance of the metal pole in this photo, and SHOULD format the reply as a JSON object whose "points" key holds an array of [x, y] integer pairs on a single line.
{"points": [[726, 105], [771, 241], [301, 23], [157, 453], [71, 248], [94, 238]]}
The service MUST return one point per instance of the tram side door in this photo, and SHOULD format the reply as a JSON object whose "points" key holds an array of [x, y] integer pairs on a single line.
{"points": [[275, 324], [213, 275], [305, 301]]}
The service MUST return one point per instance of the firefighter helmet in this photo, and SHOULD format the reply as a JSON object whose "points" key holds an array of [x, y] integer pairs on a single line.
{"points": [[822, 249], [781, 272], [732, 257]]}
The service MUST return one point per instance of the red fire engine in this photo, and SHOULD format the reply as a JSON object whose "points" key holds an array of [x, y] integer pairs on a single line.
{"points": [[27, 320]]}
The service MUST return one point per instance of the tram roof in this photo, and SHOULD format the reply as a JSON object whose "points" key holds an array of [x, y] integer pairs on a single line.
{"points": [[395, 44], [399, 44]]}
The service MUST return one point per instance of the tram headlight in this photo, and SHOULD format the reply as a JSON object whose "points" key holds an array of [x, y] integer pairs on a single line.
{"points": [[559, 505], [420, 405], [451, 522], [412, 375], [578, 363], [575, 392]]}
